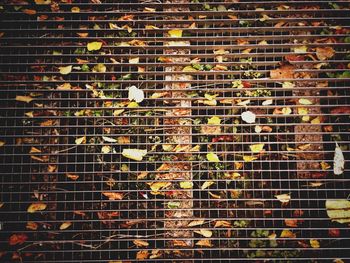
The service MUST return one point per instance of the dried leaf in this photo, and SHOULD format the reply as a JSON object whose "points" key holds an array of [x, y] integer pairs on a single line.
{"points": [[204, 232], [66, 70], [36, 207], [215, 120], [305, 102], [283, 198], [80, 140], [291, 222], [134, 60], [143, 254], [75, 9], [17, 239], [26, 99], [301, 49], [222, 223], [284, 72], [156, 186], [108, 139], [339, 161], [134, 154], [257, 148], [64, 86], [94, 46], [204, 243], [287, 233], [324, 53], [196, 223], [212, 157], [133, 104], [140, 243], [186, 185], [248, 117], [175, 33], [32, 226], [338, 210], [65, 225], [42, 2], [136, 94], [73, 177], [314, 243], [248, 158], [207, 184], [29, 11], [113, 195]]}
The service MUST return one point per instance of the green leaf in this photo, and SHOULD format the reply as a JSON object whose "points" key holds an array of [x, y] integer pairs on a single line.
{"points": [[215, 120], [212, 157], [173, 205], [66, 70]]}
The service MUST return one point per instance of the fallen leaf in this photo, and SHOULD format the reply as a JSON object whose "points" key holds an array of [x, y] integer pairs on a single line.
{"points": [[108, 139], [300, 49], [32, 226], [36, 207], [173, 205], [99, 68], [291, 222], [212, 157], [284, 72], [106, 149], [156, 186], [267, 102], [222, 223], [73, 177], [248, 117], [143, 254], [64, 86], [215, 120], [80, 140], [133, 104], [29, 11], [287, 233], [204, 243], [186, 185], [305, 102], [338, 210], [65, 225], [339, 161], [26, 99], [43, 2], [134, 60], [179, 243], [257, 148], [75, 9], [134, 154], [136, 94], [196, 223], [248, 158], [94, 46], [66, 70], [324, 53], [214, 195], [283, 198], [314, 243], [17, 239], [113, 195], [140, 243], [324, 165], [207, 184], [204, 232], [175, 33]]}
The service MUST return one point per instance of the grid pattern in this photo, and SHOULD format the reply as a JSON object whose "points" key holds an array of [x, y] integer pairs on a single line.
{"points": [[244, 105]]}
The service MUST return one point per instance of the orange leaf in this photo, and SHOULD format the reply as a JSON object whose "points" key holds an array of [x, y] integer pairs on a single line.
{"points": [[65, 225], [204, 243], [291, 222], [17, 239], [143, 254], [113, 196], [284, 72], [140, 243], [72, 176], [32, 226], [29, 11], [36, 207]]}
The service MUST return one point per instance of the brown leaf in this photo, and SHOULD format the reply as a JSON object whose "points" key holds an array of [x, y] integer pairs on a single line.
{"points": [[291, 222], [26, 99], [196, 223], [222, 223], [73, 177], [65, 225], [113, 195], [204, 243], [32, 226], [17, 239], [143, 254], [284, 72], [324, 53]]}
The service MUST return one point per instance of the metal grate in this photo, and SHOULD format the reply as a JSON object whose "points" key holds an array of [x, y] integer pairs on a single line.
{"points": [[245, 104]]}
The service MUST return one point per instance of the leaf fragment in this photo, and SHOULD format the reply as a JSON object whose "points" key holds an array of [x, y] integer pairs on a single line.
{"points": [[204, 232], [65, 225], [109, 139], [17, 239], [96, 45], [26, 99], [324, 53], [80, 140], [66, 70], [215, 120], [283, 198], [73, 177], [140, 243], [257, 148], [186, 185], [212, 157], [305, 101], [136, 94], [134, 154], [204, 243], [287, 233], [338, 210], [314, 243], [175, 33], [196, 223], [36, 207], [113, 195], [339, 161], [207, 184], [248, 117]]}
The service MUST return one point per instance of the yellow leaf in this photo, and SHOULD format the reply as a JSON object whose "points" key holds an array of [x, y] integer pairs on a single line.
{"points": [[43, 2], [75, 9], [26, 99], [248, 158], [134, 60], [140, 243], [286, 111], [113, 195], [338, 210], [156, 186], [214, 195], [143, 254], [117, 112], [287, 233], [264, 18], [108, 139], [133, 105], [106, 149], [314, 243], [189, 69], [257, 148], [196, 223], [288, 85], [64, 86], [324, 165], [207, 184], [210, 97], [175, 33], [66, 70], [186, 185], [94, 46], [36, 207], [212, 157], [204, 232], [283, 198], [215, 120], [2, 143], [65, 225], [305, 102], [204, 243], [316, 120], [32, 226], [151, 27], [80, 140], [301, 49], [134, 154], [72, 176]]}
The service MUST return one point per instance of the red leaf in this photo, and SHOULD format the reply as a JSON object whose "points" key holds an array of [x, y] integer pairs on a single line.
{"points": [[293, 57], [334, 232], [17, 239], [318, 175], [343, 109]]}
